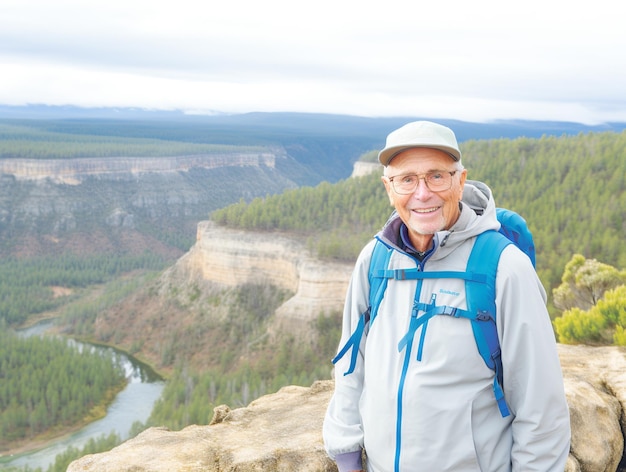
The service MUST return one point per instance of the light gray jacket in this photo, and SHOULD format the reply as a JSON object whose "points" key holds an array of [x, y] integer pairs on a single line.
{"points": [[441, 414]]}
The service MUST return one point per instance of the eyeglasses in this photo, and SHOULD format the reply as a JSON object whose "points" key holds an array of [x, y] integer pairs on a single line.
{"points": [[436, 181]]}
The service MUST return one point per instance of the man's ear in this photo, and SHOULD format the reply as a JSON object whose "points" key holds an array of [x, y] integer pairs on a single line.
{"points": [[389, 190], [462, 183]]}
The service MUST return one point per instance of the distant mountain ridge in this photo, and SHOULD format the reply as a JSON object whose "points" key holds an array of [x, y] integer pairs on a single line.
{"points": [[308, 124]]}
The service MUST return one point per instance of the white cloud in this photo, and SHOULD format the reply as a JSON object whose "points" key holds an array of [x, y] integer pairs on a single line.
{"points": [[457, 59]]}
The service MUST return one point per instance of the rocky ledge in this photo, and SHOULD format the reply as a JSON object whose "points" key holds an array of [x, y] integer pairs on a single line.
{"points": [[232, 257], [81, 168], [282, 431]]}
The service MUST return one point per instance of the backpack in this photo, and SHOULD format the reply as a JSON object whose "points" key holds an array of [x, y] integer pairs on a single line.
{"points": [[480, 286]]}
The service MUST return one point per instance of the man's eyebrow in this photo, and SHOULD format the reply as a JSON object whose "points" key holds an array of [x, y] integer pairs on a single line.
{"points": [[425, 172]]}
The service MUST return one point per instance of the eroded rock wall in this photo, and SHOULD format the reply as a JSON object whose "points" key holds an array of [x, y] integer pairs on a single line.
{"points": [[78, 168], [235, 257]]}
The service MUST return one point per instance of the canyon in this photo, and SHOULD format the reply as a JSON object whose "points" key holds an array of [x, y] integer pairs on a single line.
{"points": [[129, 204]]}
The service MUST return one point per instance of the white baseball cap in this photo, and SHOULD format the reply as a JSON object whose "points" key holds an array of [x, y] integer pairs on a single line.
{"points": [[419, 134]]}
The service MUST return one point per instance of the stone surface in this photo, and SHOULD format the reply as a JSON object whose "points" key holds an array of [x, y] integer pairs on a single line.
{"points": [[595, 384], [74, 171], [277, 432], [361, 169], [234, 257], [282, 431]]}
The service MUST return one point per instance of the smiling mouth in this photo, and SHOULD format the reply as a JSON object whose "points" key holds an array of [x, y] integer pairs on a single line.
{"points": [[425, 210]]}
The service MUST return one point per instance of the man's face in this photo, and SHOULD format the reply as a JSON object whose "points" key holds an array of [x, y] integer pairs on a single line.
{"points": [[423, 211]]}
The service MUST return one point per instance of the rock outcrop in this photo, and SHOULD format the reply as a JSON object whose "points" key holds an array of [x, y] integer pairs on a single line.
{"points": [[595, 384], [362, 168], [277, 432], [233, 257], [73, 171], [282, 431]]}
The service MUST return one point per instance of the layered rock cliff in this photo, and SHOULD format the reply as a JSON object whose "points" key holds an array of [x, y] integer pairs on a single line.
{"points": [[115, 204], [233, 257], [362, 168], [282, 431], [73, 171]]}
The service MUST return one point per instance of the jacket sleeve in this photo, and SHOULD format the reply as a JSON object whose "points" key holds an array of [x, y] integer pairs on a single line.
{"points": [[533, 381], [342, 430]]}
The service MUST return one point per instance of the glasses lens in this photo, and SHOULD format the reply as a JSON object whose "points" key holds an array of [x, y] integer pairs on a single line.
{"points": [[436, 181], [439, 180], [405, 183]]}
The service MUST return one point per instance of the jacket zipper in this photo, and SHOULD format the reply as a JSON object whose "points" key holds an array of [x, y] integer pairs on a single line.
{"points": [[407, 345]]}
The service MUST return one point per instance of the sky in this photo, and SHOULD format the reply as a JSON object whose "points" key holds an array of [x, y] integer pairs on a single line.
{"points": [[471, 60]]}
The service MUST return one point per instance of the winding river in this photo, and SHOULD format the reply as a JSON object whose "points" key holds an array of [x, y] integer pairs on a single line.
{"points": [[132, 404]]}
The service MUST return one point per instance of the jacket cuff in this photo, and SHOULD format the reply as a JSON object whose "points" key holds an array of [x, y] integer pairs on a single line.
{"points": [[349, 461]]}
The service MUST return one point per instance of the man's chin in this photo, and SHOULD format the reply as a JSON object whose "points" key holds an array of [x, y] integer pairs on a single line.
{"points": [[426, 230]]}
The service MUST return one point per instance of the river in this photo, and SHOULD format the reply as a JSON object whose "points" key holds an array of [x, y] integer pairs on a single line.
{"points": [[132, 404]]}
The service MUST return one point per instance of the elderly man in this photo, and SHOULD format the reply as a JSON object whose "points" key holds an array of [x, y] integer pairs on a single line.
{"points": [[429, 405]]}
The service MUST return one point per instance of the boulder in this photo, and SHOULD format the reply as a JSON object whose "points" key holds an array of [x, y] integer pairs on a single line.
{"points": [[595, 385]]}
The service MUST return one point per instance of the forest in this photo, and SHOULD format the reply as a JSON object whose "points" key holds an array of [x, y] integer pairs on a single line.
{"points": [[318, 153], [27, 285], [28, 142], [47, 383]]}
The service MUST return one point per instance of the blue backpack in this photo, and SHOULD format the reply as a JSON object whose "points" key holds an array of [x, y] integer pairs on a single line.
{"points": [[480, 286]]}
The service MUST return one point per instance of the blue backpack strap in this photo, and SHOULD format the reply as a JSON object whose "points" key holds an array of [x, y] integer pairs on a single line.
{"points": [[481, 300], [353, 344], [416, 274], [380, 259], [377, 279]]}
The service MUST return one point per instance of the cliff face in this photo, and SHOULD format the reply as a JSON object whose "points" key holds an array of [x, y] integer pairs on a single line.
{"points": [[96, 204], [282, 431], [361, 168], [73, 171], [233, 257]]}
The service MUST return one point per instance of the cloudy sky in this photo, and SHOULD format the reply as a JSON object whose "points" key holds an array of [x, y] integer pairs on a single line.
{"points": [[474, 60]]}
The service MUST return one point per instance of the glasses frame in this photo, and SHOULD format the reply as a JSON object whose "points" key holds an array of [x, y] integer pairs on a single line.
{"points": [[422, 177]]}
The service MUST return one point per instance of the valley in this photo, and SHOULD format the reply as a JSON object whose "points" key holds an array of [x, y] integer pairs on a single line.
{"points": [[225, 269]]}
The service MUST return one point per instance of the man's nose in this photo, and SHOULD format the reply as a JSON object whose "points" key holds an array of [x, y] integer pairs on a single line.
{"points": [[422, 188]]}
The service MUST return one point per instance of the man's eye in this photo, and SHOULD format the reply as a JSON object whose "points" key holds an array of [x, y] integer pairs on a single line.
{"points": [[435, 176]]}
